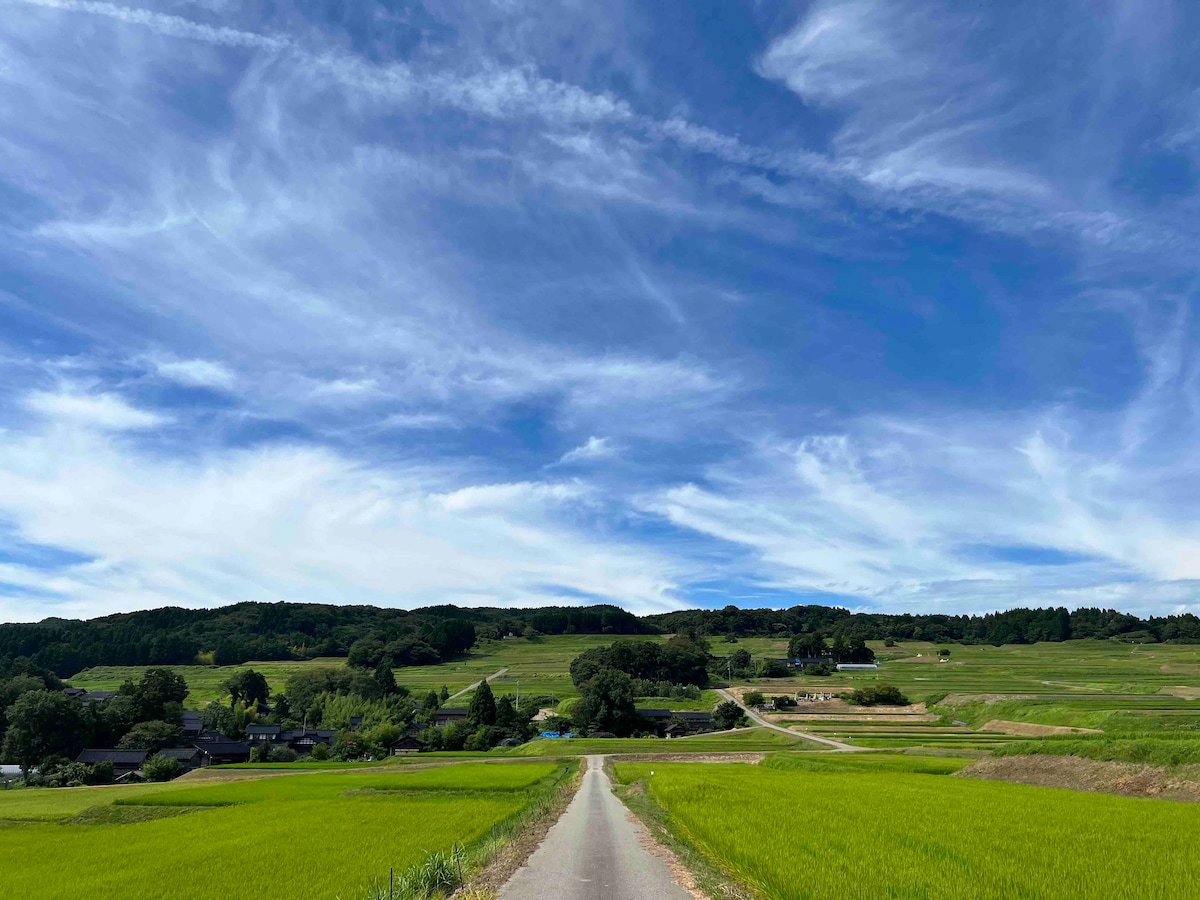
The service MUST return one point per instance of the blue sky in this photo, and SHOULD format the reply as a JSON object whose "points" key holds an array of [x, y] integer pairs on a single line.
{"points": [[882, 304]]}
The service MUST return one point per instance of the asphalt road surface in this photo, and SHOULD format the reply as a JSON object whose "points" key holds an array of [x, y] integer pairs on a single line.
{"points": [[594, 852]]}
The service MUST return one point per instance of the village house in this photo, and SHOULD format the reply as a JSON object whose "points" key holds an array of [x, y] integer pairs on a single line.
{"points": [[303, 740], [450, 715], [189, 758], [216, 753], [410, 743], [259, 734], [124, 762], [661, 719], [193, 724]]}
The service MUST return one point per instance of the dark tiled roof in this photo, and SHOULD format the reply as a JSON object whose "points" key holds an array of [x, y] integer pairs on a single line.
{"points": [[453, 712], [262, 729], [675, 714], [206, 736], [116, 757], [224, 748], [183, 754]]}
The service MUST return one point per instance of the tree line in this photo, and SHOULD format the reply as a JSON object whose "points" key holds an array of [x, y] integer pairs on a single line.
{"points": [[366, 635], [236, 634], [1014, 626]]}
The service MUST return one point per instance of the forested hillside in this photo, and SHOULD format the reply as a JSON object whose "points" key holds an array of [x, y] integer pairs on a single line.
{"points": [[283, 631], [279, 631]]}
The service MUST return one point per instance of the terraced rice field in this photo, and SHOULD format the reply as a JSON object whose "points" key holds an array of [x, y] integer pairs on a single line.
{"points": [[858, 828], [316, 835], [1116, 688]]}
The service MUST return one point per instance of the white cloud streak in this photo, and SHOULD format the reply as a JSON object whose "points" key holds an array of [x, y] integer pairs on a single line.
{"points": [[108, 412], [168, 25], [296, 523], [197, 373]]}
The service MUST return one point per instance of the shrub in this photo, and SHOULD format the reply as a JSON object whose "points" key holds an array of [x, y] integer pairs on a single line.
{"points": [[320, 752], [773, 668], [102, 772], [728, 715], [753, 698], [878, 695], [282, 754], [161, 768]]}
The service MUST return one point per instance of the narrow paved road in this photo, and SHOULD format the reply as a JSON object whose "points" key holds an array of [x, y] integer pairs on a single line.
{"points": [[594, 852], [759, 720], [471, 687]]}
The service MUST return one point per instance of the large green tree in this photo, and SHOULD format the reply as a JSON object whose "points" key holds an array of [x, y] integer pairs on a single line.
{"points": [[248, 687], [385, 677], [152, 736], [42, 724], [606, 703]]}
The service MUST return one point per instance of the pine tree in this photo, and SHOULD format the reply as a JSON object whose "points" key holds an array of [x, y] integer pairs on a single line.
{"points": [[483, 706], [384, 676]]}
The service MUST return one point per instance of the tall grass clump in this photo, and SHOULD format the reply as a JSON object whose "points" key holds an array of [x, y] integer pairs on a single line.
{"points": [[437, 875]]}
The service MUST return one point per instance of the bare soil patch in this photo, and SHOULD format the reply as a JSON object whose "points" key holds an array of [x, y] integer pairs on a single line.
{"points": [[1181, 783], [1031, 729], [1182, 691]]}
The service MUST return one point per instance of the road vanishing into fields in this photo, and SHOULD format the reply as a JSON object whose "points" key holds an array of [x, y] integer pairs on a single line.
{"points": [[759, 720], [471, 687], [595, 851]]}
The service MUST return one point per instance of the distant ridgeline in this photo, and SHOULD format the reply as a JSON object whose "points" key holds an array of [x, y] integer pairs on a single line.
{"points": [[1015, 626], [282, 631]]}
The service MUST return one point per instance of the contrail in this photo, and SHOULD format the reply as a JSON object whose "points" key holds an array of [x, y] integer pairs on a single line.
{"points": [[173, 26]]}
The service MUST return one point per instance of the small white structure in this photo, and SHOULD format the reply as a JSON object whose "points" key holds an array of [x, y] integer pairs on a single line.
{"points": [[857, 667]]}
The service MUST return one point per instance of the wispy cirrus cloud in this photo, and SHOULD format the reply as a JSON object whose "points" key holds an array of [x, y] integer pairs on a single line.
{"points": [[594, 448], [294, 522], [907, 319], [197, 373], [105, 411]]}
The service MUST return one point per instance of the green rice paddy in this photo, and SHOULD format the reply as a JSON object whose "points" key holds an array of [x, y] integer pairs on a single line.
{"points": [[793, 833], [311, 835]]}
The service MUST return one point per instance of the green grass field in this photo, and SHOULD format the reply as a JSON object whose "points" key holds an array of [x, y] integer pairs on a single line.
{"points": [[319, 835], [1118, 688], [1106, 685], [538, 666], [745, 741], [792, 832]]}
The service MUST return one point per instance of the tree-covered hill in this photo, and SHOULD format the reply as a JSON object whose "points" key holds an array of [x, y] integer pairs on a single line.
{"points": [[282, 631]]}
